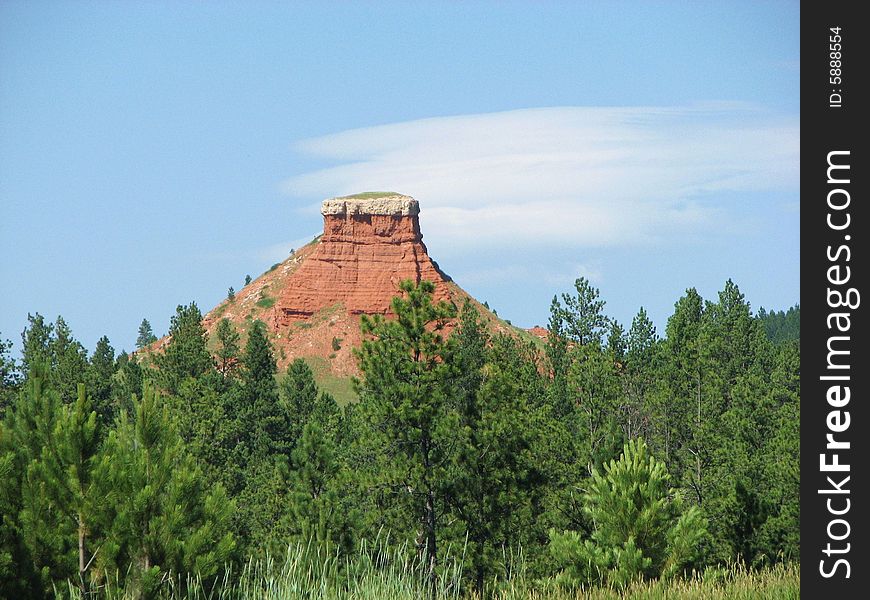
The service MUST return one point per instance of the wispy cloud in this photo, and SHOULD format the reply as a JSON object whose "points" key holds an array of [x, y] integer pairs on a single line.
{"points": [[581, 176]]}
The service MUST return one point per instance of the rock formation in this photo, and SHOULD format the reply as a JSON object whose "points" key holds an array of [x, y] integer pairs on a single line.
{"points": [[312, 301], [370, 243]]}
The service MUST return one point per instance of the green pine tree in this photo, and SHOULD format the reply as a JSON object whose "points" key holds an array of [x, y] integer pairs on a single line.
{"points": [[641, 528], [69, 361], [100, 371], [408, 375], [186, 355], [66, 472], [163, 516], [228, 349], [146, 335]]}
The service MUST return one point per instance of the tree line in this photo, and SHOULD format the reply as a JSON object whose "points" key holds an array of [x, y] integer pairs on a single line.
{"points": [[606, 456]]}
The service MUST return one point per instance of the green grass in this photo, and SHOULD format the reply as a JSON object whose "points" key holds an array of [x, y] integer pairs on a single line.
{"points": [[341, 388], [266, 302], [380, 571], [368, 195]]}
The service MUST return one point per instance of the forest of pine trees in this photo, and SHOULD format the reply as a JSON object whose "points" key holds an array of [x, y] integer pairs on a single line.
{"points": [[612, 454]]}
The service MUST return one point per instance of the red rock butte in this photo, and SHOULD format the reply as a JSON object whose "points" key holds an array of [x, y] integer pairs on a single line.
{"points": [[312, 301], [370, 243]]}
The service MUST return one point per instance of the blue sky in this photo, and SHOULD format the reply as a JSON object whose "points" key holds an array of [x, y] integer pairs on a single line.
{"points": [[154, 153]]}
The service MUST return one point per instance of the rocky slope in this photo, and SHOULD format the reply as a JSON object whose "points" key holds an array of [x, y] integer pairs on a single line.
{"points": [[312, 301]]}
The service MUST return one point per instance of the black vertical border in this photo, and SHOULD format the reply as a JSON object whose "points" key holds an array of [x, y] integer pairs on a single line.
{"points": [[825, 129]]}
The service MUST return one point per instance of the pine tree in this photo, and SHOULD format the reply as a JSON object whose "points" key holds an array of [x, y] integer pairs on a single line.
{"points": [[101, 370], [186, 355], [247, 279], [66, 471], [9, 376], [69, 361], [31, 537], [557, 356], [126, 382], [298, 393], [471, 346], [231, 294], [617, 344], [146, 335], [264, 418], [495, 483], [227, 349], [164, 515], [315, 512], [583, 315], [409, 370], [641, 528], [35, 340], [638, 380]]}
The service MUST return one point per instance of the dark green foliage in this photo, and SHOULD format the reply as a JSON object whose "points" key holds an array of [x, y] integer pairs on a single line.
{"points": [[126, 382], [247, 279], [228, 349], [583, 316], [69, 361], [165, 516], [495, 481], [35, 340], [476, 442], [315, 512], [186, 356], [33, 538], [146, 335], [231, 294], [409, 373], [298, 393], [100, 372], [263, 416], [782, 326], [9, 376], [70, 488]]}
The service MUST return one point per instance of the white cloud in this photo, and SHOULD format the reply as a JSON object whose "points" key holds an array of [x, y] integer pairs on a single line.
{"points": [[581, 176]]}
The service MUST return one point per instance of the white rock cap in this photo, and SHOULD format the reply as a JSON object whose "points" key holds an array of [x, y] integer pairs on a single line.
{"points": [[371, 203]]}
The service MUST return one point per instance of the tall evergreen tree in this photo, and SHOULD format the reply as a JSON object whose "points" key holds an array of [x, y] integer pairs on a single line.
{"points": [[46, 540], [126, 382], [101, 370], [31, 536], [228, 348], [409, 370], [66, 472], [146, 335], [298, 393], [263, 416], [164, 515], [35, 340], [69, 361], [557, 356], [583, 316], [186, 355]]}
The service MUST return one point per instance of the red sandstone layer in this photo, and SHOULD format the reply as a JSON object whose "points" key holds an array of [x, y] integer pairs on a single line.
{"points": [[359, 262]]}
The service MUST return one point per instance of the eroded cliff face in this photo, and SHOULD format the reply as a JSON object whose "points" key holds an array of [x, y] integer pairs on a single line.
{"points": [[369, 245]]}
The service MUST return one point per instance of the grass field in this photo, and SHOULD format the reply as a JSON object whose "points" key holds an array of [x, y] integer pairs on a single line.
{"points": [[377, 572]]}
